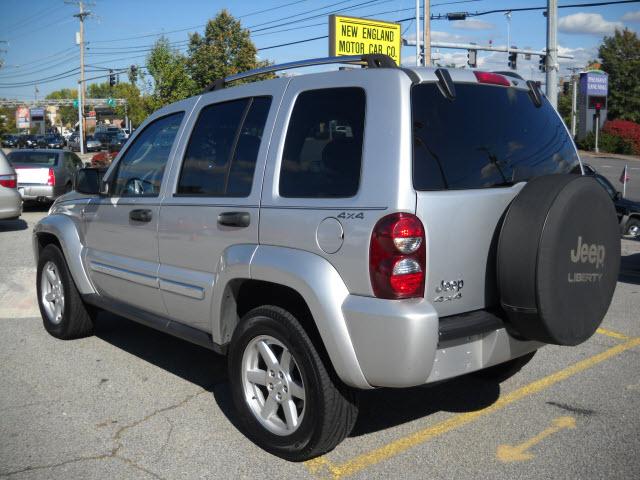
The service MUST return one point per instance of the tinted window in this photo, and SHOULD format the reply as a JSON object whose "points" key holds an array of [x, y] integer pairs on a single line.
{"points": [[36, 158], [140, 170], [323, 148], [487, 136], [221, 156]]}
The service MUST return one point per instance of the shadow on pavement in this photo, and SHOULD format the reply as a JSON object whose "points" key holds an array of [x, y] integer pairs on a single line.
{"points": [[630, 269], [385, 408], [379, 409], [13, 225]]}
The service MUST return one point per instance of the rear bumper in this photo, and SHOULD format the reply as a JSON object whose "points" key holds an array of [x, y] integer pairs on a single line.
{"points": [[38, 192], [403, 343]]}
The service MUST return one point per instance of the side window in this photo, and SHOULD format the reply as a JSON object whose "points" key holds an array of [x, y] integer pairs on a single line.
{"points": [[221, 156], [323, 148], [140, 170]]}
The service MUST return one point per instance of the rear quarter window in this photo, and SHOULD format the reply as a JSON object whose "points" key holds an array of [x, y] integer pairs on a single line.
{"points": [[323, 149], [488, 136]]}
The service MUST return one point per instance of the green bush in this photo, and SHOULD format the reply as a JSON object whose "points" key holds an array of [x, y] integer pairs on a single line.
{"points": [[606, 143]]}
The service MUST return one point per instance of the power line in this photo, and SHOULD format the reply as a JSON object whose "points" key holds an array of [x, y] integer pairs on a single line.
{"points": [[528, 9], [271, 9]]}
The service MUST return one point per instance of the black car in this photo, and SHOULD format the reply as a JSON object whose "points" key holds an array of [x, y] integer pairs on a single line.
{"points": [[51, 141], [628, 211], [27, 141], [10, 141]]}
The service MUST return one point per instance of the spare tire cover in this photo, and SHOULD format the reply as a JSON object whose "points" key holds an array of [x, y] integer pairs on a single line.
{"points": [[558, 259]]}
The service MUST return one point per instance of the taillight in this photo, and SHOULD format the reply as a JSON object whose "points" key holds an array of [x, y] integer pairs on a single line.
{"points": [[51, 179], [492, 78], [397, 257], [8, 181]]}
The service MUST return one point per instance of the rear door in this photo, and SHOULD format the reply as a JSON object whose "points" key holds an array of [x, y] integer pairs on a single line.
{"points": [[215, 197], [472, 156], [121, 229]]}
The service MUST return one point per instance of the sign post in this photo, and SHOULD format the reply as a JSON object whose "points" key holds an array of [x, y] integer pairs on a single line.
{"points": [[360, 36]]}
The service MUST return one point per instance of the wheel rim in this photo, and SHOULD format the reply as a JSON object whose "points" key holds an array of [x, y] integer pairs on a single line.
{"points": [[52, 292], [273, 386], [634, 230]]}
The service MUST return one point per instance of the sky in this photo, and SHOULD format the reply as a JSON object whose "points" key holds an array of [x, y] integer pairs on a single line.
{"points": [[38, 50]]}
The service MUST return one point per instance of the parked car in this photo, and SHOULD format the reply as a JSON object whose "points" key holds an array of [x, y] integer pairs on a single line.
{"points": [[40, 142], [44, 175], [10, 200], [9, 141], [28, 141], [324, 264], [73, 142], [103, 159], [93, 144], [628, 211], [51, 141]]}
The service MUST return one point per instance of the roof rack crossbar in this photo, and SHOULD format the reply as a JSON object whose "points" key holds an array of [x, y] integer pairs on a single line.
{"points": [[370, 61]]}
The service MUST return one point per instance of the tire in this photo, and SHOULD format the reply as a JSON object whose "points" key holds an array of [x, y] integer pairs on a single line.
{"points": [[503, 371], [66, 317], [558, 258], [328, 411], [632, 228]]}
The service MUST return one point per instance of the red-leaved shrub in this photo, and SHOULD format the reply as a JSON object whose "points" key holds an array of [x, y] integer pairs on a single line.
{"points": [[627, 130]]}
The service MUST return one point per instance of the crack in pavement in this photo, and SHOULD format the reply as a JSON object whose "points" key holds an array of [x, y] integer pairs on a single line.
{"points": [[117, 436]]}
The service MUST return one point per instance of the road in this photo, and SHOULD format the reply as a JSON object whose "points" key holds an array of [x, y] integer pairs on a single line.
{"points": [[612, 168], [133, 403]]}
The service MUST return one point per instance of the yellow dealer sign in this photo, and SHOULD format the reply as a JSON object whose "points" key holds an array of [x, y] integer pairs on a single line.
{"points": [[359, 36]]}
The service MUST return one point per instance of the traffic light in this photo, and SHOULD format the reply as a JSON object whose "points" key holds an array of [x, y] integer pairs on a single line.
{"points": [[112, 78], [513, 60], [472, 58], [133, 73], [542, 65], [565, 88]]}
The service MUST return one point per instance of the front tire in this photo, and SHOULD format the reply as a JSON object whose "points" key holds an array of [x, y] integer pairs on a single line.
{"points": [[632, 229], [64, 314], [288, 403]]}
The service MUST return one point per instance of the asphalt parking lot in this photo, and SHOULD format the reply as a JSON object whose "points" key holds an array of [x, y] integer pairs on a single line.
{"points": [[130, 402]]}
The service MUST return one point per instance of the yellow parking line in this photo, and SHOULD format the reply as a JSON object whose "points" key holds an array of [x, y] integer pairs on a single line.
{"points": [[612, 334], [322, 465]]}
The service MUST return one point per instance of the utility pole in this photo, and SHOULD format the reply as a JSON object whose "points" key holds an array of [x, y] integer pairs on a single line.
{"points": [[81, 84], [417, 33], [552, 52], [574, 99], [427, 32]]}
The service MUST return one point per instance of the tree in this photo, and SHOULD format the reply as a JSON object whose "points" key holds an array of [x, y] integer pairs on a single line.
{"points": [[620, 56], [138, 106], [171, 80], [68, 114], [224, 49]]}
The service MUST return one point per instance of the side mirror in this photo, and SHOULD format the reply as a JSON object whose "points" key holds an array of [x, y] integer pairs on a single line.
{"points": [[89, 181]]}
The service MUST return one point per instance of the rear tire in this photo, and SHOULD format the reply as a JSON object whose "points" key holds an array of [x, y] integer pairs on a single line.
{"points": [[325, 415], [504, 371], [64, 314]]}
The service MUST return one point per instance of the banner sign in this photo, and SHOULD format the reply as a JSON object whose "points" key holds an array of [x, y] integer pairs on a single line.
{"points": [[22, 118], [360, 36]]}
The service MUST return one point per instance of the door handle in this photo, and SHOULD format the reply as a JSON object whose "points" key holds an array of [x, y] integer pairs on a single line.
{"points": [[234, 219], [140, 215]]}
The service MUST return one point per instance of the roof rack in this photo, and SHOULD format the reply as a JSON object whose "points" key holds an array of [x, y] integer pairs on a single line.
{"points": [[374, 60]]}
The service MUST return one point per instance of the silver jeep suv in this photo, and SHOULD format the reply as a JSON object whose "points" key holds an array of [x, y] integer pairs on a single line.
{"points": [[339, 231]]}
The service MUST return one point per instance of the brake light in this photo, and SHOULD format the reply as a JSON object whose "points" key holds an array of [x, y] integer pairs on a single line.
{"points": [[397, 257], [492, 78], [8, 181], [51, 180]]}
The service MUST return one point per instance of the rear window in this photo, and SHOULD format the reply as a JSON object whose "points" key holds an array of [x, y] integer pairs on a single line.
{"points": [[487, 136], [36, 158]]}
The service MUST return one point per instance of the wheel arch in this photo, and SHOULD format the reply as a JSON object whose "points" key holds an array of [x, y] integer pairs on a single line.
{"points": [[306, 285], [62, 231]]}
